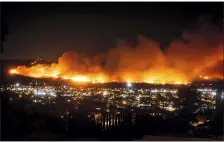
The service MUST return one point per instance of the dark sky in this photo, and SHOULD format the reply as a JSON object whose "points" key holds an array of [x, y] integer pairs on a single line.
{"points": [[46, 30]]}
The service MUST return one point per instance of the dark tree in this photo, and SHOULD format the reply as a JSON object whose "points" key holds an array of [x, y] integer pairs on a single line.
{"points": [[218, 121], [189, 99]]}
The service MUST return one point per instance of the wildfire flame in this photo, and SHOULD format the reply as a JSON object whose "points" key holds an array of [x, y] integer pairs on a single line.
{"points": [[200, 57]]}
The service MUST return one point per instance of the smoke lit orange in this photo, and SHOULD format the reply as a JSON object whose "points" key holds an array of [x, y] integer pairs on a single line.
{"points": [[200, 57]]}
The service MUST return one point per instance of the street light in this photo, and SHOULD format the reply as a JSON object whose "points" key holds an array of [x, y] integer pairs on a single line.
{"points": [[129, 84], [17, 84]]}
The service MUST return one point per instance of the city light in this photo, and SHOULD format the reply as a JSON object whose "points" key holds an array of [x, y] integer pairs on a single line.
{"points": [[105, 93], [170, 108], [160, 97], [129, 84], [17, 84], [213, 93]]}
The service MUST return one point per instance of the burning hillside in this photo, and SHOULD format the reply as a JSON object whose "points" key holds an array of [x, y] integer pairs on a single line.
{"points": [[198, 54]]}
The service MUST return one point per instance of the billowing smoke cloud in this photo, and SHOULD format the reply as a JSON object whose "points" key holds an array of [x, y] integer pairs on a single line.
{"points": [[214, 71], [198, 50], [198, 53], [143, 63]]}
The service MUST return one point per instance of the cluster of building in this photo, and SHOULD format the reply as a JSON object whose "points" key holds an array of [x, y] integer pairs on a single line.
{"points": [[107, 98]]}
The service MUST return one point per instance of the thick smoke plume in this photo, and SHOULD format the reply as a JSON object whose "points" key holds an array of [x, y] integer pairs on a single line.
{"points": [[197, 54]]}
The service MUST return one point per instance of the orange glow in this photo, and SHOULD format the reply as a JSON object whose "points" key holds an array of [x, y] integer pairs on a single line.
{"points": [[55, 74], [206, 77], [180, 63], [65, 77], [196, 124], [124, 102], [153, 76], [80, 79], [13, 71]]}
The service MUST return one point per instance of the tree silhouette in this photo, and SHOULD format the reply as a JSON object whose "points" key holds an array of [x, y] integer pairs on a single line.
{"points": [[189, 98], [218, 121]]}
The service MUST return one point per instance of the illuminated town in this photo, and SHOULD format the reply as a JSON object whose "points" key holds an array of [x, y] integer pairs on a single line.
{"points": [[163, 98]]}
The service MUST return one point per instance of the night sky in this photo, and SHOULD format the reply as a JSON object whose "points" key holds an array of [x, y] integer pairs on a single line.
{"points": [[46, 30]]}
